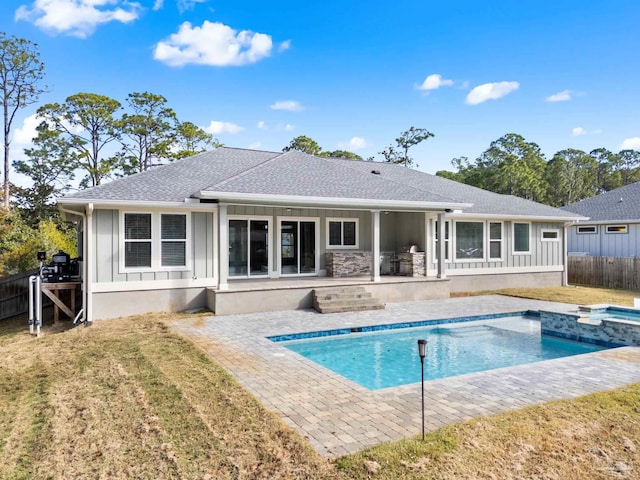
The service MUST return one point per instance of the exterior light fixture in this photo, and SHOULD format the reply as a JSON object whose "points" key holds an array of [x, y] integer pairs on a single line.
{"points": [[422, 351]]}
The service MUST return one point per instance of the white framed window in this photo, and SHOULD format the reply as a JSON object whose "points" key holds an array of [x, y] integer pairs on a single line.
{"points": [[173, 240], [469, 241], [616, 229], [521, 238], [495, 241], [138, 242], [588, 229], [342, 233], [549, 235], [154, 241], [436, 239]]}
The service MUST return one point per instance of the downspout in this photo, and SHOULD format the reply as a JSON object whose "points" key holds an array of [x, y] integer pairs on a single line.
{"points": [[565, 271], [84, 256], [88, 280]]}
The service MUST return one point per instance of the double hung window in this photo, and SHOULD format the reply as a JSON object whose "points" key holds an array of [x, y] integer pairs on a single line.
{"points": [[154, 241]]}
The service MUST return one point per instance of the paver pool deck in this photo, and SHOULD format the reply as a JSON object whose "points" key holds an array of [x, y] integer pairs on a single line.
{"points": [[339, 416]]}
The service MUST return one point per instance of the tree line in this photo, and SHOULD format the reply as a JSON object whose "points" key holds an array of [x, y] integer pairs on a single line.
{"points": [[511, 165], [88, 135]]}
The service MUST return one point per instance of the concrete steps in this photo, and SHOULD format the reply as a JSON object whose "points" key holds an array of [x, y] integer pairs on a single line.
{"points": [[344, 299]]}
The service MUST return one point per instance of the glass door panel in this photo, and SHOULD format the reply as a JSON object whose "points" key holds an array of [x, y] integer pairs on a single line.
{"points": [[307, 247], [248, 248], [238, 236], [289, 247], [259, 247], [297, 247]]}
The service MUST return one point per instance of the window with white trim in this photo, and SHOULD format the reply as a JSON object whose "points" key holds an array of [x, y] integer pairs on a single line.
{"points": [[154, 241], [495, 240], [550, 235], [588, 229], [342, 233], [521, 238], [137, 240], [616, 229], [469, 241], [436, 239], [173, 240]]}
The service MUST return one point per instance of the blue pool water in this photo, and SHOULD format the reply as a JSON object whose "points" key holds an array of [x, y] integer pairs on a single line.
{"points": [[390, 358], [619, 313]]}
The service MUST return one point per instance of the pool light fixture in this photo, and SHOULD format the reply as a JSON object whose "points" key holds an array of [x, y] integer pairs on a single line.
{"points": [[422, 351]]}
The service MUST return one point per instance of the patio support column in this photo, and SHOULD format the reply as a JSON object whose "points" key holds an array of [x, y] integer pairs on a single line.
{"points": [[442, 273], [426, 244], [375, 245], [223, 256]]}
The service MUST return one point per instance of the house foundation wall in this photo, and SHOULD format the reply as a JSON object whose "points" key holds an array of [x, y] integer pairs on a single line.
{"points": [[121, 304], [475, 283], [229, 302]]}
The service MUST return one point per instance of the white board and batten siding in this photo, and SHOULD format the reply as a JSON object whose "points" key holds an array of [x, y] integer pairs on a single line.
{"points": [[603, 244], [542, 253], [107, 245]]}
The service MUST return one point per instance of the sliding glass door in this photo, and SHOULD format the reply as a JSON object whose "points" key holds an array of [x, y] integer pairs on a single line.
{"points": [[248, 248], [298, 240]]}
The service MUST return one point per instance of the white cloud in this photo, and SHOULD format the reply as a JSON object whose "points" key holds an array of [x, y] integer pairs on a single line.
{"points": [[290, 105], [356, 143], [157, 5], [213, 44], [279, 127], [286, 45], [254, 145], [433, 82], [490, 91], [23, 135], [579, 132], [632, 143], [217, 128], [78, 18], [563, 96], [184, 5]]}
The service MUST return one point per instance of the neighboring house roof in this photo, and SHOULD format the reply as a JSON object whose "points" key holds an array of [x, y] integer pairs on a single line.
{"points": [[620, 204], [230, 173]]}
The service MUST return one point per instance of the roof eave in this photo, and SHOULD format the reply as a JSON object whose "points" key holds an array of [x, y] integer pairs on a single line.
{"points": [[288, 200], [98, 203], [498, 216]]}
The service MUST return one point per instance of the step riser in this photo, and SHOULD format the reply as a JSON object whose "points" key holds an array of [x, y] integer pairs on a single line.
{"points": [[344, 299]]}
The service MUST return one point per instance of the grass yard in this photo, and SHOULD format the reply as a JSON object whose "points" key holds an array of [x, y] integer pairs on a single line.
{"points": [[127, 398]]}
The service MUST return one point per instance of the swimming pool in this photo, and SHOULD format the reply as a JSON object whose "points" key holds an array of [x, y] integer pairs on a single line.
{"points": [[618, 313], [390, 358]]}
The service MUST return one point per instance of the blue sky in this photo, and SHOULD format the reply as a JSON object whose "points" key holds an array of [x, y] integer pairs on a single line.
{"points": [[352, 74]]}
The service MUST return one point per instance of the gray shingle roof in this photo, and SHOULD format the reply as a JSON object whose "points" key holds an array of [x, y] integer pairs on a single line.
{"points": [[620, 204], [296, 174], [178, 180]]}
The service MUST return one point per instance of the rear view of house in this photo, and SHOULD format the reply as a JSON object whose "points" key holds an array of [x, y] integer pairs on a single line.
{"points": [[242, 230]]}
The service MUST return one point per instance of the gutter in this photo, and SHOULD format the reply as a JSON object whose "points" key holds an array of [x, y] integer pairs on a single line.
{"points": [[288, 200]]}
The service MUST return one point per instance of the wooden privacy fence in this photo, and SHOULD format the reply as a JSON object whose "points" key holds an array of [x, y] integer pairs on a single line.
{"points": [[14, 294], [608, 272]]}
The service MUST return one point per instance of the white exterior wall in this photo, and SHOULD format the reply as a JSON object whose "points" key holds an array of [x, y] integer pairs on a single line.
{"points": [[107, 245]]}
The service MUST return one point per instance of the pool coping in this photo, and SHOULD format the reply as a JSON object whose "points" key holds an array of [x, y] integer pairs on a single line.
{"points": [[339, 417]]}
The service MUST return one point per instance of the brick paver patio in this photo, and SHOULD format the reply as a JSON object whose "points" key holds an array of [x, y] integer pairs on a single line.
{"points": [[339, 417]]}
